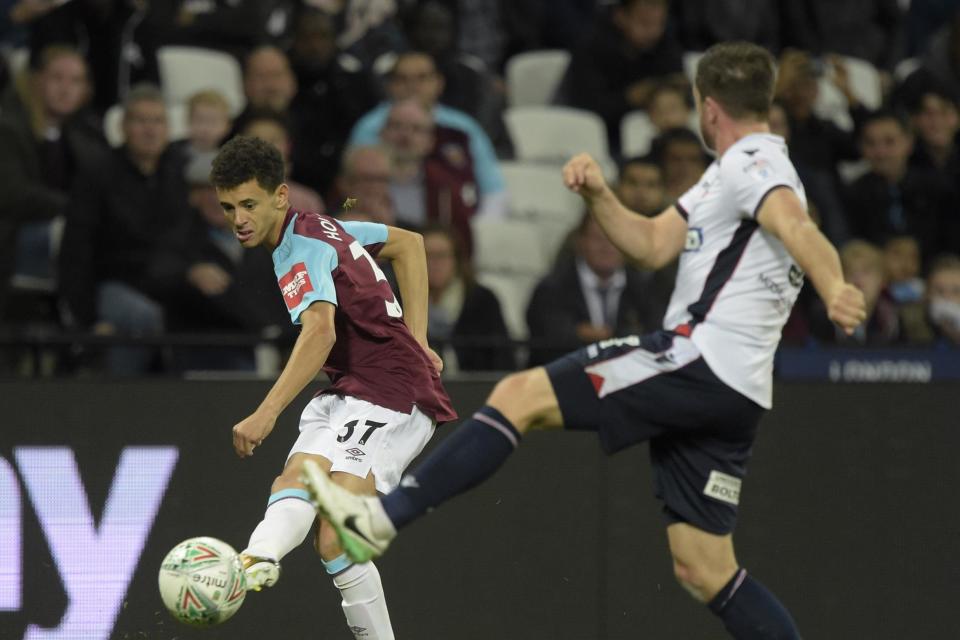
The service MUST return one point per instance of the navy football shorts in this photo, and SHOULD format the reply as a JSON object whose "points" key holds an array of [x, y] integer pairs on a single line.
{"points": [[658, 388]]}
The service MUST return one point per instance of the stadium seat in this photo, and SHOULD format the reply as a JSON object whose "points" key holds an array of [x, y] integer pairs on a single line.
{"points": [[186, 70], [533, 76], [636, 134], [537, 196], [554, 134], [509, 259], [113, 121]]}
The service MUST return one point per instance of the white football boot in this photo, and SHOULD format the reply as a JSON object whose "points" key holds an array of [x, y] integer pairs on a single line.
{"points": [[260, 572], [364, 529]]}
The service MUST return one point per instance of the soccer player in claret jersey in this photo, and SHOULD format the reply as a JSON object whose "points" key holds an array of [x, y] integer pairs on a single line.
{"points": [[695, 390], [385, 397]]}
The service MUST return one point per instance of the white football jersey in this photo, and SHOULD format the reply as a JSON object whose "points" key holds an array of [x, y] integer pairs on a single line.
{"points": [[736, 283]]}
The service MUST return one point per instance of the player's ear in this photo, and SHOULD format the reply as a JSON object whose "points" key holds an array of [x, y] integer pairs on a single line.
{"points": [[282, 196]]}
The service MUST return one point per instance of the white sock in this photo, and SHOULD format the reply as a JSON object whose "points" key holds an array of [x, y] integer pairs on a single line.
{"points": [[364, 604], [285, 524]]}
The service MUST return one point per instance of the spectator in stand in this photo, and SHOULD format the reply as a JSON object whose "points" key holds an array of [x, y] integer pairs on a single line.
{"points": [[45, 139], [461, 309], [335, 91], [702, 23], [871, 30], [936, 123], [272, 127], [469, 84], [820, 184], [680, 155], [893, 198], [863, 267], [132, 259], [640, 187], [817, 143], [901, 260], [365, 176], [943, 298], [208, 123], [95, 27], [268, 80], [415, 75], [429, 183], [617, 68], [589, 296], [669, 107]]}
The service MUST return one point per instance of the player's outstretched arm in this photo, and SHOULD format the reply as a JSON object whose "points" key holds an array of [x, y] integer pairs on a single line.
{"points": [[653, 242], [405, 251], [313, 345], [783, 215]]}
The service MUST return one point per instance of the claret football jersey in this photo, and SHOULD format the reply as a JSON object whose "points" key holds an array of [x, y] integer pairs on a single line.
{"points": [[375, 357]]}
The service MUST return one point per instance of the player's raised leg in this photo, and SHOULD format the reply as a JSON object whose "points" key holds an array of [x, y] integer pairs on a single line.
{"points": [[285, 523], [363, 601], [470, 455], [705, 565]]}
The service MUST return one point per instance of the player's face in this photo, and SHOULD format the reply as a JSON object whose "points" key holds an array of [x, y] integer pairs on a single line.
{"points": [[254, 213]]}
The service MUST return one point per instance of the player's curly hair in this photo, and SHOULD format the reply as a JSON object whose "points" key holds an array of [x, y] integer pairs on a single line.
{"points": [[245, 158]]}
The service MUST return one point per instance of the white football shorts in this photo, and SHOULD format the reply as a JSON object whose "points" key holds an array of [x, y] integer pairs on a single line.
{"points": [[357, 437]]}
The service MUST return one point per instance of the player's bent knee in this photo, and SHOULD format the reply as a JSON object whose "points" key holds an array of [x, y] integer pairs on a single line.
{"points": [[526, 398]]}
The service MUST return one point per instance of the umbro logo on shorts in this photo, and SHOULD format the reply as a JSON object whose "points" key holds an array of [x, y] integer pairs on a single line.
{"points": [[356, 452], [723, 487]]}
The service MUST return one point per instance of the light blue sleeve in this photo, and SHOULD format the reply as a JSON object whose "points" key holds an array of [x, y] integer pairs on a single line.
{"points": [[366, 233], [367, 129], [306, 275], [489, 178]]}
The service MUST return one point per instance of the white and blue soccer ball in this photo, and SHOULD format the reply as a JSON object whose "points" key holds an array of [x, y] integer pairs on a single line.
{"points": [[202, 582]]}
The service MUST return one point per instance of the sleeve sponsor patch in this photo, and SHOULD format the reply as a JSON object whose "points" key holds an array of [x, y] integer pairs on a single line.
{"points": [[295, 284]]}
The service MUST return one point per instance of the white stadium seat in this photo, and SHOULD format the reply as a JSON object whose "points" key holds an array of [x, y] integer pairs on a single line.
{"points": [[186, 70], [554, 134], [537, 195], [533, 76], [509, 260], [113, 123], [636, 134]]}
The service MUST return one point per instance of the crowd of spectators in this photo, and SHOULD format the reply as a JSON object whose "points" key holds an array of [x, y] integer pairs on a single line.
{"points": [[399, 104]]}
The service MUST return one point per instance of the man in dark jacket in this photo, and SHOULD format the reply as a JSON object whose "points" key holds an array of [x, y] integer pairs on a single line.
{"points": [[618, 67], [592, 296]]}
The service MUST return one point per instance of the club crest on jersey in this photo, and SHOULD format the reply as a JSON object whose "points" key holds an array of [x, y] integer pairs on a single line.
{"points": [[694, 239], [759, 169], [295, 284]]}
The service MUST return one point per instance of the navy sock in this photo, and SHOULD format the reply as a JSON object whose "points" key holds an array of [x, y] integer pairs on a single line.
{"points": [[751, 612], [467, 457]]}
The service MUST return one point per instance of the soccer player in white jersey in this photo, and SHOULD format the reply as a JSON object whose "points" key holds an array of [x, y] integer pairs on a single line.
{"points": [[696, 389]]}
